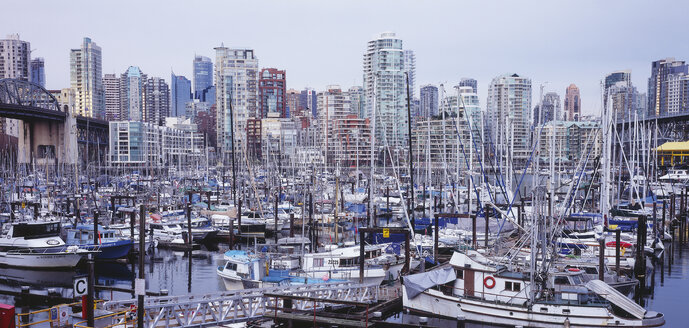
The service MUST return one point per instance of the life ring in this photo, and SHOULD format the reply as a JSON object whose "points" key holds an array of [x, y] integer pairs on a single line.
{"points": [[489, 282]]}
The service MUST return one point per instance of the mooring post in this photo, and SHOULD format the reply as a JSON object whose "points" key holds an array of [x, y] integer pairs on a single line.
{"points": [[277, 196], [601, 259], [361, 256], [189, 235], [141, 288], [435, 241], [617, 251], [474, 241], [95, 229], [486, 214]]}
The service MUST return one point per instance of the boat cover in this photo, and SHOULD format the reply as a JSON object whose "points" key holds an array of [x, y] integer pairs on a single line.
{"points": [[417, 283], [615, 297]]}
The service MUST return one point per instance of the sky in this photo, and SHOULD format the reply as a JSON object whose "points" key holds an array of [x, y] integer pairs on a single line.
{"points": [[320, 43]]}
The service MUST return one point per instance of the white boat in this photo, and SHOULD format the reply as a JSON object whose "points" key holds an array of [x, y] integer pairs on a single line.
{"points": [[38, 245], [244, 271], [675, 175], [343, 263], [473, 287]]}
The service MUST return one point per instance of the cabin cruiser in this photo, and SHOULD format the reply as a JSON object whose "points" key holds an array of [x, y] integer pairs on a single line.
{"points": [[38, 245], [243, 271], [110, 246], [675, 175], [478, 289], [343, 263]]}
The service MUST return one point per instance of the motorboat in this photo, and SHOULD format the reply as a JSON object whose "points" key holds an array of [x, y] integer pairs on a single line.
{"points": [[109, 245], [343, 263], [38, 245]]}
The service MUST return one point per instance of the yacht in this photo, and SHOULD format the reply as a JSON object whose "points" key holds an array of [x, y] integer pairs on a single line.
{"points": [[675, 175], [38, 245]]}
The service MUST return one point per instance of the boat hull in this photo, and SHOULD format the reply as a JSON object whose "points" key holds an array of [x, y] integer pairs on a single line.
{"points": [[41, 260], [539, 315]]}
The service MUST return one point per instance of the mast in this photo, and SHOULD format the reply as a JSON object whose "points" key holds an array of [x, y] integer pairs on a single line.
{"points": [[411, 155]]}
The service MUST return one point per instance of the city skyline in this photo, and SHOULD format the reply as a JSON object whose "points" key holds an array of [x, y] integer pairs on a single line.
{"points": [[551, 42]]}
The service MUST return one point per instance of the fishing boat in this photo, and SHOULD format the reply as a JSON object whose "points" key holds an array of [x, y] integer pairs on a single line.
{"points": [[343, 263], [38, 245], [479, 290], [110, 246]]}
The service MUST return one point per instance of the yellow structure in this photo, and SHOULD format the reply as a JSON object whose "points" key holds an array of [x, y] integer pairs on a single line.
{"points": [[673, 153]]}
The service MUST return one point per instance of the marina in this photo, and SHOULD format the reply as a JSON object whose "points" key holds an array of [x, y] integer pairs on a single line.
{"points": [[137, 197]]}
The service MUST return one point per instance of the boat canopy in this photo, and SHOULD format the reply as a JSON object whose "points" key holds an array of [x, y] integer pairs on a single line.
{"points": [[415, 284], [617, 298]]}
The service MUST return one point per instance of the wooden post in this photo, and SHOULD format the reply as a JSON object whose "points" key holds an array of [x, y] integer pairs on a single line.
{"points": [[189, 235], [617, 251], [361, 256], [474, 242], [435, 241], [601, 259], [277, 199], [486, 214], [291, 225]]}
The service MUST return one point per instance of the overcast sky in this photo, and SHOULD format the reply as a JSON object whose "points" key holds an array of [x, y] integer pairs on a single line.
{"points": [[322, 42]]}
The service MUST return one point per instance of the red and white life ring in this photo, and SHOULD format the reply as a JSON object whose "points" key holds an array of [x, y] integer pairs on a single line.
{"points": [[489, 282]]}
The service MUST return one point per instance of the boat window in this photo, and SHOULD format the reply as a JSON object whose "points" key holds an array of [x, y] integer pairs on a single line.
{"points": [[561, 281], [459, 273], [318, 262], [512, 286], [231, 266]]}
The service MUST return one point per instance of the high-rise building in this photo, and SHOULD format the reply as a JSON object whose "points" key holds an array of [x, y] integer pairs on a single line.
{"points": [[668, 87], [356, 98], [15, 58], [86, 78], [308, 102], [236, 82], [508, 118], [428, 105], [551, 109], [272, 88], [469, 82], [293, 103], [38, 71], [157, 101], [385, 90], [132, 94], [203, 76], [181, 94], [113, 98], [624, 101], [15, 63], [472, 108], [614, 78], [572, 103], [410, 69]]}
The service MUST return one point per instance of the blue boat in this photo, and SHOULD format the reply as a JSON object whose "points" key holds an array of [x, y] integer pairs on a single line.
{"points": [[110, 246]]}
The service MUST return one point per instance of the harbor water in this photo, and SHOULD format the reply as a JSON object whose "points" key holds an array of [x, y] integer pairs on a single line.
{"points": [[180, 273]]}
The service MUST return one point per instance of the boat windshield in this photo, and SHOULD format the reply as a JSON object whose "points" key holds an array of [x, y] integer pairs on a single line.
{"points": [[28, 231]]}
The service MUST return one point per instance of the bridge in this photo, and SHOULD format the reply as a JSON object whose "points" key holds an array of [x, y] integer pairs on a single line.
{"points": [[47, 133], [670, 126]]}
